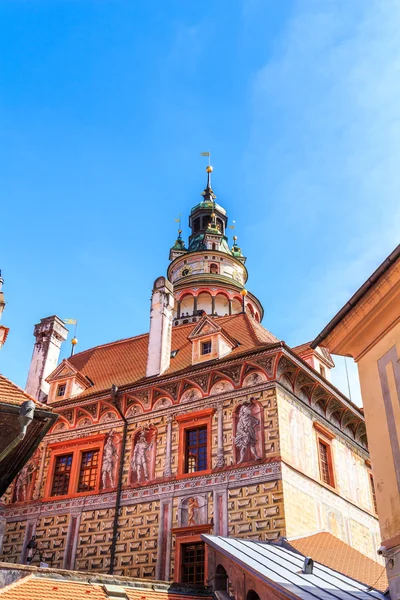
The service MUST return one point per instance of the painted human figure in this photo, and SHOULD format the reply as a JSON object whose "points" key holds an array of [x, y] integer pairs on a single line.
{"points": [[192, 507], [109, 460], [140, 457], [23, 481], [246, 432]]}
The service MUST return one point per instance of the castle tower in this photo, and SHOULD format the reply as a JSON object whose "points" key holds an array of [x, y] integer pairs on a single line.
{"points": [[208, 276], [50, 333]]}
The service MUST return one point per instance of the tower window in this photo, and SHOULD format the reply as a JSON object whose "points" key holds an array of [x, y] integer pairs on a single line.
{"points": [[61, 389], [196, 450], [206, 347], [206, 221], [196, 224], [62, 473], [193, 563], [88, 472], [214, 268]]}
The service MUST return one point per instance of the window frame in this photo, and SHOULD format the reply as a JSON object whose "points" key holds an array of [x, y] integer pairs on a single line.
{"points": [[76, 448], [327, 443], [189, 421], [373, 492], [184, 545], [62, 455], [59, 386], [197, 446], [202, 346]]}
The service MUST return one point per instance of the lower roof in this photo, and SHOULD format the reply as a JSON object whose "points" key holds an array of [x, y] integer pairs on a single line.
{"points": [[332, 552], [281, 568], [33, 583]]}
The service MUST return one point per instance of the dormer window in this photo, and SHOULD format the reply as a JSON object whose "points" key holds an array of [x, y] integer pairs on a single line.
{"points": [[322, 370], [206, 347], [61, 390]]}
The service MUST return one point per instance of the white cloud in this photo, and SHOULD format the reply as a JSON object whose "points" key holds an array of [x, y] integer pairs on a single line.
{"points": [[326, 141]]}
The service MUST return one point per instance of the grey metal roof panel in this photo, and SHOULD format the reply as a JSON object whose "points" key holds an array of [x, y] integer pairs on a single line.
{"points": [[283, 568]]}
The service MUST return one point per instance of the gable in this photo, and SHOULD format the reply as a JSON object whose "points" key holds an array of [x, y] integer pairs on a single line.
{"points": [[206, 326], [64, 370]]}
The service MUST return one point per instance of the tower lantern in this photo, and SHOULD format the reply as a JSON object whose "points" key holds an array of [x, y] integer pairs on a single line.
{"points": [[208, 276]]}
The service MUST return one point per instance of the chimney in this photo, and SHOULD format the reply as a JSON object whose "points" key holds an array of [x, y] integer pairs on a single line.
{"points": [[50, 333], [161, 314]]}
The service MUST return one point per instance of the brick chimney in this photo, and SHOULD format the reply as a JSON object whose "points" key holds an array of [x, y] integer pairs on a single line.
{"points": [[50, 333], [161, 313]]}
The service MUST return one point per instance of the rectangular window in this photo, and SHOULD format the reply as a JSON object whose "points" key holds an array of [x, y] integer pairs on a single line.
{"points": [[206, 347], [193, 563], [325, 462], [322, 371], [61, 389], [62, 473], [373, 494], [196, 450], [88, 471]]}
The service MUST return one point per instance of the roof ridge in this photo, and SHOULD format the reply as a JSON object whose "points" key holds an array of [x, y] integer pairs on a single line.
{"points": [[142, 335], [19, 389]]}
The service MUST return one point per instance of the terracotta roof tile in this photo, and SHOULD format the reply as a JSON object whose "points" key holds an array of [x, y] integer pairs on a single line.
{"points": [[327, 549], [10, 393], [41, 588], [124, 362]]}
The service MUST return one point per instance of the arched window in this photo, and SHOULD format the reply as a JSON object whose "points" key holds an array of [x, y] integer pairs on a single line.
{"points": [[213, 247], [220, 225], [196, 224], [206, 221], [214, 268], [185, 272], [221, 579], [252, 595]]}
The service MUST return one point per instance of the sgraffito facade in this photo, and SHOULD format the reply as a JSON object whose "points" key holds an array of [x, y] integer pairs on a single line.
{"points": [[220, 428]]}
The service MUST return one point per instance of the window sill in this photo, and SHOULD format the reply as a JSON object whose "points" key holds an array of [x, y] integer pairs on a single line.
{"points": [[195, 474], [74, 495]]}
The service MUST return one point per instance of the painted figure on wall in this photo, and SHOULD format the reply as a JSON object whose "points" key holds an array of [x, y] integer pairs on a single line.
{"points": [[110, 457], [26, 478], [141, 457], [192, 507], [192, 511], [246, 437]]}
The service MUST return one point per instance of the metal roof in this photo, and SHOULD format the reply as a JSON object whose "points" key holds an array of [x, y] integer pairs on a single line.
{"points": [[282, 568]]}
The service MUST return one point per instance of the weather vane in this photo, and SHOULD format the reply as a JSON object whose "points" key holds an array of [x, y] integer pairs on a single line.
{"points": [[206, 154]]}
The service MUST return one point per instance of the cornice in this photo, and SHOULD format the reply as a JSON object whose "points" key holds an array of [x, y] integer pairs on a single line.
{"points": [[229, 479]]}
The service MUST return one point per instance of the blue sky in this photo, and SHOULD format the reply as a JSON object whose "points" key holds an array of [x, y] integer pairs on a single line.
{"points": [[105, 106]]}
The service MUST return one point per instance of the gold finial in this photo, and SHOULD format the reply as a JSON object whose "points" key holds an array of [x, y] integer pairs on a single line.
{"points": [[209, 169], [234, 238], [243, 292], [74, 341]]}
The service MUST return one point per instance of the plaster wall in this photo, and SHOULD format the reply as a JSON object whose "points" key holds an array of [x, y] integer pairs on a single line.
{"points": [[311, 507], [299, 448], [379, 370]]}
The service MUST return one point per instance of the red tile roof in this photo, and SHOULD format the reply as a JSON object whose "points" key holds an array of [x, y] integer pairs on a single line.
{"points": [[327, 549], [36, 583], [124, 362], [39, 588], [10, 393]]}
